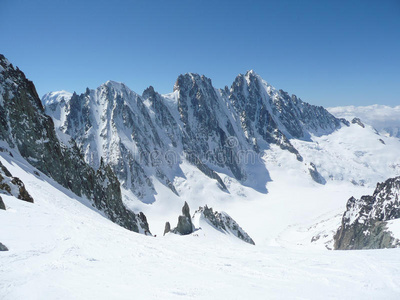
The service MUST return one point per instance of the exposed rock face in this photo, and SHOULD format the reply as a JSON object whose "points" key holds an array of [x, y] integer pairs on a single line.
{"points": [[358, 122], [3, 247], [252, 101], [364, 224], [145, 137], [223, 222], [2, 205], [186, 210], [22, 192], [185, 225], [26, 127], [315, 175], [344, 121], [207, 124], [13, 186], [114, 124], [144, 225], [167, 228]]}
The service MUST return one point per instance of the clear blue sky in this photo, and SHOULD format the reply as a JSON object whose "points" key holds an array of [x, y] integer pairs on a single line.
{"points": [[326, 52]]}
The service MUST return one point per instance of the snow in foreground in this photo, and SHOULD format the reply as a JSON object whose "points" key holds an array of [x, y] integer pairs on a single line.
{"points": [[60, 248]]}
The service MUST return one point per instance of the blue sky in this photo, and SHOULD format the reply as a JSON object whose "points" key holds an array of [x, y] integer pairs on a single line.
{"points": [[327, 52]]}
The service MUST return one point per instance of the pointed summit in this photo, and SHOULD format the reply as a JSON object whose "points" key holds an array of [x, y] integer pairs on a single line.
{"points": [[251, 72]]}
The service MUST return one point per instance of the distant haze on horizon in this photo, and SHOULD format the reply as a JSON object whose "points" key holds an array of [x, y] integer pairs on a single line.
{"points": [[327, 53]]}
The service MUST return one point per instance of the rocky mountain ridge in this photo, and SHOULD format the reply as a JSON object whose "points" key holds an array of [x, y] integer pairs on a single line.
{"points": [[364, 223], [146, 137]]}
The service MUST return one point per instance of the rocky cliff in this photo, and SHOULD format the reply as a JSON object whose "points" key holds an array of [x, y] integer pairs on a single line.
{"points": [[365, 221]]}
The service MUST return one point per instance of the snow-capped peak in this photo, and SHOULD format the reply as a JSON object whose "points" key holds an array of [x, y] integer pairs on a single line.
{"points": [[251, 72], [115, 84], [56, 97], [118, 88]]}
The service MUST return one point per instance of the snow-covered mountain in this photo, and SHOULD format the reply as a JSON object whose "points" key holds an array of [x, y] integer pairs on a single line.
{"points": [[384, 118], [223, 132], [27, 131], [146, 137]]}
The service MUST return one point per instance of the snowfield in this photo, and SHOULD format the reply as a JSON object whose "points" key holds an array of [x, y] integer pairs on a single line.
{"points": [[62, 248]]}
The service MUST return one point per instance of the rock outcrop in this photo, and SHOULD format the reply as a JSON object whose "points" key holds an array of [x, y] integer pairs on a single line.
{"points": [[220, 221], [2, 205], [223, 222], [315, 175], [13, 186], [358, 122], [185, 225], [3, 247], [167, 228], [364, 224]]}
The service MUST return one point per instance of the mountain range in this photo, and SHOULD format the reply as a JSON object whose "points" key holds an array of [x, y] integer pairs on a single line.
{"points": [[261, 166]]}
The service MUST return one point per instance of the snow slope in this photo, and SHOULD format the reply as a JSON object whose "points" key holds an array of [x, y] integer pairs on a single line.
{"points": [[61, 248]]}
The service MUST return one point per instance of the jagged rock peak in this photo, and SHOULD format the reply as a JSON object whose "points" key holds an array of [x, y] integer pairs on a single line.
{"points": [[185, 225], [186, 210], [148, 92], [189, 80], [364, 223]]}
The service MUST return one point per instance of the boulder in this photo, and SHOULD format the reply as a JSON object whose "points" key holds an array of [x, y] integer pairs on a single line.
{"points": [[2, 205], [167, 228], [3, 248]]}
